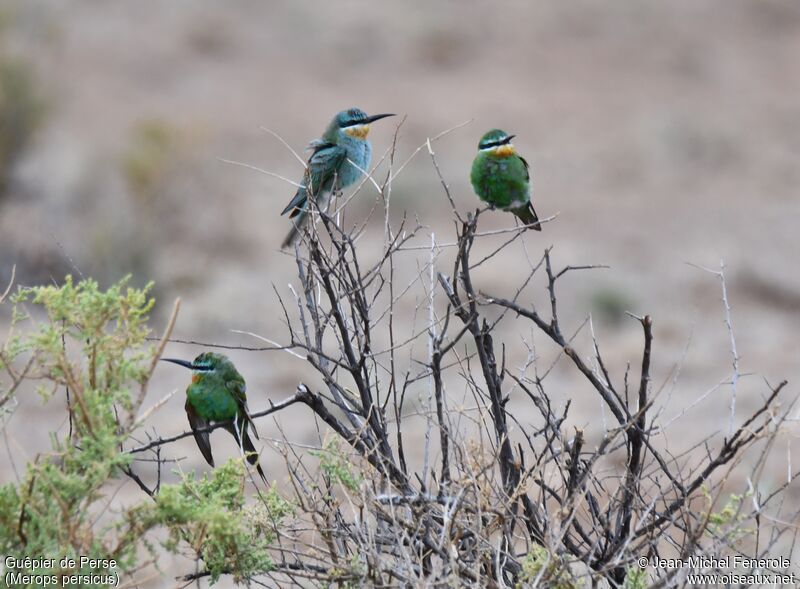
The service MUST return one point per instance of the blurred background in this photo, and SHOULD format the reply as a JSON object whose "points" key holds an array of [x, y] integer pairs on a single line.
{"points": [[661, 134]]}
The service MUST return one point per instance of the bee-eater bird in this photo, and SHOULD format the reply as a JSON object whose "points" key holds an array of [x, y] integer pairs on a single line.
{"points": [[217, 394], [501, 177], [337, 160]]}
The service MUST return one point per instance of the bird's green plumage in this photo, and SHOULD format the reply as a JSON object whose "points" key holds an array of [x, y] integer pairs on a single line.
{"points": [[337, 161], [500, 181], [501, 178], [217, 394]]}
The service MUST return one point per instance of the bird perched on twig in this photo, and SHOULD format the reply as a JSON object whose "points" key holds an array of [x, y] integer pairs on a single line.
{"points": [[337, 160], [501, 177], [217, 394]]}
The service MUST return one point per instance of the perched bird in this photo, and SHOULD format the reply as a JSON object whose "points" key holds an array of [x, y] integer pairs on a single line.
{"points": [[217, 394], [501, 178], [337, 160]]}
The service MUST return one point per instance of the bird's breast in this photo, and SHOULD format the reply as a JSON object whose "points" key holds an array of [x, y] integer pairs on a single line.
{"points": [[213, 403], [359, 156]]}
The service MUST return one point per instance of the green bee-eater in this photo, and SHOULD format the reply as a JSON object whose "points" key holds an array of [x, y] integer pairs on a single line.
{"points": [[217, 394], [501, 177], [337, 161]]}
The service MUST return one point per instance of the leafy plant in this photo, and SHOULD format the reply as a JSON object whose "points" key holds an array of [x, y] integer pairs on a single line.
{"points": [[335, 465], [92, 343], [209, 515], [546, 570]]}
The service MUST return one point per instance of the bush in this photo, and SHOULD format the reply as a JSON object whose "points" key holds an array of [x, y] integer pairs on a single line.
{"points": [[481, 497], [51, 514]]}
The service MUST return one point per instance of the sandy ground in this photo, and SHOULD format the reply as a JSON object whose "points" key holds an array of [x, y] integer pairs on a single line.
{"points": [[662, 135]]}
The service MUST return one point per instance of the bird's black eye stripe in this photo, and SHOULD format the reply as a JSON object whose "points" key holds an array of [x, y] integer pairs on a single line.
{"points": [[356, 118], [202, 367], [497, 143]]}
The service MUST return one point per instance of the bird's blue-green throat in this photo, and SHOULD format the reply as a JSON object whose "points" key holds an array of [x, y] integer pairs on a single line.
{"points": [[217, 394], [501, 177], [338, 159]]}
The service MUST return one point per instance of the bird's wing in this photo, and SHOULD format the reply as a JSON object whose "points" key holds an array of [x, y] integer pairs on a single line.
{"points": [[238, 388], [316, 145], [527, 168], [534, 220], [322, 165], [296, 204], [196, 422]]}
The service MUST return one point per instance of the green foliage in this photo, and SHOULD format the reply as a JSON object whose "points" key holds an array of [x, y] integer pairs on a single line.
{"points": [[21, 113], [110, 329], [336, 466], [93, 342], [541, 566], [636, 578], [51, 513], [729, 521], [276, 509], [210, 515]]}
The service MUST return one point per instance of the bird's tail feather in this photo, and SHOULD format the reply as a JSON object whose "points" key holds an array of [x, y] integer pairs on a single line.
{"points": [[297, 203], [528, 216], [247, 447], [300, 216], [294, 234], [252, 455]]}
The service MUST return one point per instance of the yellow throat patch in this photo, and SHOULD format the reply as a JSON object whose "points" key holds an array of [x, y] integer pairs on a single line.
{"points": [[358, 131], [505, 150]]}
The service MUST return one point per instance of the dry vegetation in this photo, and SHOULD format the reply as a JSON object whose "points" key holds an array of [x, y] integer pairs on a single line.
{"points": [[496, 500], [453, 419]]}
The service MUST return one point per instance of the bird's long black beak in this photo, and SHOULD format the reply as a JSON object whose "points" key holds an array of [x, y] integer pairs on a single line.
{"points": [[184, 363], [374, 118], [509, 138]]}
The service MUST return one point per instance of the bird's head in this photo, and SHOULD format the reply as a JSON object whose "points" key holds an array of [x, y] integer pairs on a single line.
{"points": [[207, 364], [354, 122], [497, 143]]}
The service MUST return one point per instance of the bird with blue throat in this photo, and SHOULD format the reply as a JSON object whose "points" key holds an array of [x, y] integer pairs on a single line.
{"points": [[217, 394], [337, 161], [501, 177]]}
